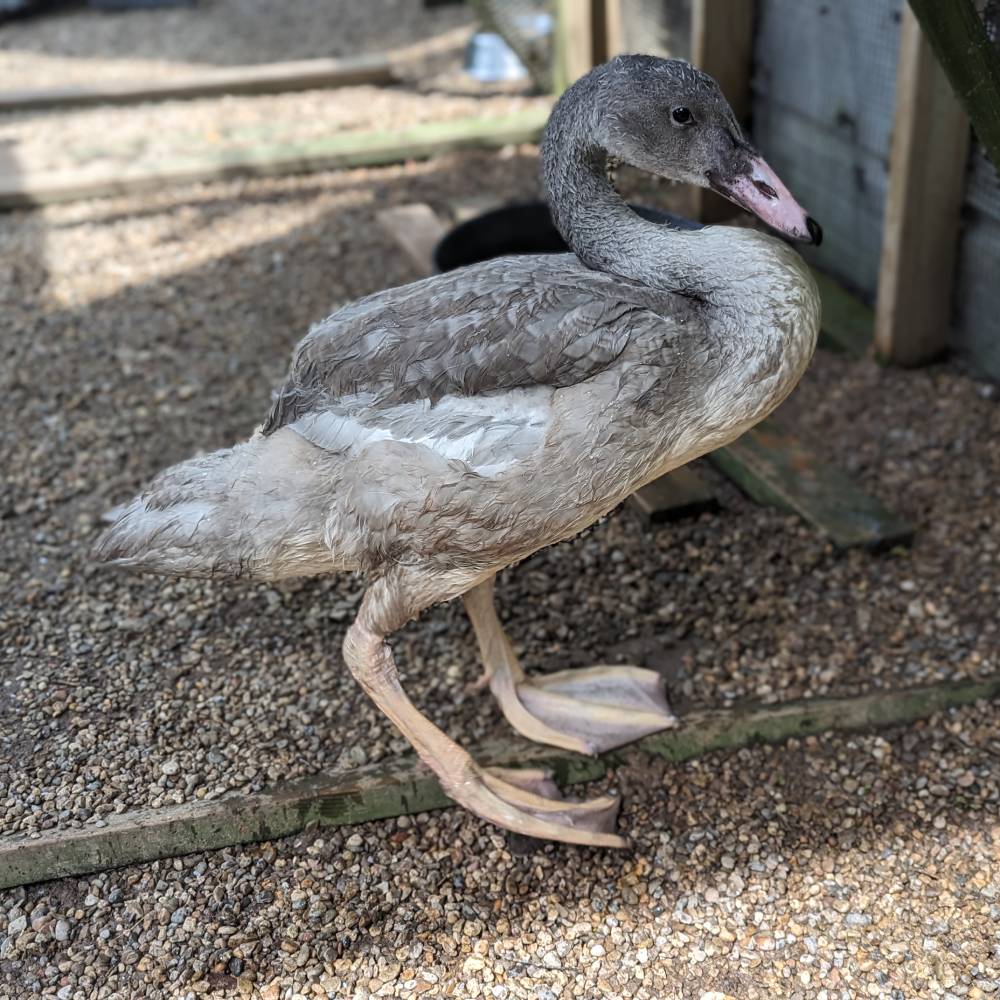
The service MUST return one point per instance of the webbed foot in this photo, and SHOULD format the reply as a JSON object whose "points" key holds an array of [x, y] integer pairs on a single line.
{"points": [[588, 710], [528, 801]]}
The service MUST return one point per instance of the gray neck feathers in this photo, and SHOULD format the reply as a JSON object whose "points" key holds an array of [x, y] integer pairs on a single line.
{"points": [[594, 220]]}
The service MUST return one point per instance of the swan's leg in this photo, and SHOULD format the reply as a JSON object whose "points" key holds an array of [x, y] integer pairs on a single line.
{"points": [[526, 801], [588, 710]]}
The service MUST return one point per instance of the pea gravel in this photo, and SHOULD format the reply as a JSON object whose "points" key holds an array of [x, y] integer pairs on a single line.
{"points": [[137, 331], [828, 868], [143, 329]]}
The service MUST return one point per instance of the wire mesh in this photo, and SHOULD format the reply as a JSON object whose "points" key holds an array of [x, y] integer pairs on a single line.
{"points": [[823, 88]]}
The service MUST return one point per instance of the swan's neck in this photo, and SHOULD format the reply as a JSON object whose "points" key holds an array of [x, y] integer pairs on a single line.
{"points": [[758, 291], [608, 236]]}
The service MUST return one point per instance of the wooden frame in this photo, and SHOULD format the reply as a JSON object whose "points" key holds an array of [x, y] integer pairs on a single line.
{"points": [[958, 35], [608, 40], [270, 78], [927, 169], [574, 42], [721, 45], [349, 149]]}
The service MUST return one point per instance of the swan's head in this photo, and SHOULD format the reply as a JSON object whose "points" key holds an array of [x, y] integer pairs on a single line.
{"points": [[670, 119]]}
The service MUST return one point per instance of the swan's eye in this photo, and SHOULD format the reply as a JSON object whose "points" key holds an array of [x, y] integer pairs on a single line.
{"points": [[681, 116]]}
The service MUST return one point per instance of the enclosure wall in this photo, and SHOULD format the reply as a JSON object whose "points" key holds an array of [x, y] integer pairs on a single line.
{"points": [[823, 87]]}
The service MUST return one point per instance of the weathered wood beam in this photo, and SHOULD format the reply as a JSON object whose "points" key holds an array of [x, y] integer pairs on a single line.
{"points": [[352, 149], [681, 493], [417, 229], [574, 43], [404, 786], [776, 469], [971, 61], [848, 325], [269, 78], [927, 168], [721, 45], [608, 31]]}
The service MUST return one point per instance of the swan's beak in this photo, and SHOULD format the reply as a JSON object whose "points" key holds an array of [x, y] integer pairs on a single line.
{"points": [[759, 190]]}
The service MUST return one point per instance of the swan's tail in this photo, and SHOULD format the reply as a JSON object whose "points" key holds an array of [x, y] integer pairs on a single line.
{"points": [[251, 511]]}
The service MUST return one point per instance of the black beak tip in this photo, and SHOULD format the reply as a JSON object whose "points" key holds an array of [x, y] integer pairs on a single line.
{"points": [[815, 230]]}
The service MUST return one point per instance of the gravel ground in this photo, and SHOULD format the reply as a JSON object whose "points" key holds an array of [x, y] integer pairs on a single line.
{"points": [[143, 330], [830, 868], [84, 46]]}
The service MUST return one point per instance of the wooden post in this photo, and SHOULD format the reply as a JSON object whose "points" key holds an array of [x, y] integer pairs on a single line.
{"points": [[970, 61], [574, 44], [270, 78], [721, 45], [927, 167], [607, 30]]}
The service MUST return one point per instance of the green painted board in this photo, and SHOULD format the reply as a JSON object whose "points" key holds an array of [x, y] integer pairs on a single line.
{"points": [[777, 469], [351, 149], [848, 324], [404, 786], [681, 493]]}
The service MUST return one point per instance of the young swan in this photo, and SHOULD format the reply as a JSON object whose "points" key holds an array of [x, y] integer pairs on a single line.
{"points": [[430, 435]]}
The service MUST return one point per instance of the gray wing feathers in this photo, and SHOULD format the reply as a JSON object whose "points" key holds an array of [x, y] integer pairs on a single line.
{"points": [[509, 323]]}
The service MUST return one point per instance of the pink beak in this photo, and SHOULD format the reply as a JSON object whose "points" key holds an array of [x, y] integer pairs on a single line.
{"points": [[762, 193]]}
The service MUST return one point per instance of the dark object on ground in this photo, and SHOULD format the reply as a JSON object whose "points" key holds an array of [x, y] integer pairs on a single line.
{"points": [[138, 4], [518, 229], [10, 9]]}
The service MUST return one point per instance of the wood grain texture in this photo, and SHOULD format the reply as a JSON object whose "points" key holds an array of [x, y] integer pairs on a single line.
{"points": [[681, 493], [608, 30], [405, 787], [775, 468], [721, 45], [417, 229], [269, 78], [574, 42], [353, 149], [927, 169]]}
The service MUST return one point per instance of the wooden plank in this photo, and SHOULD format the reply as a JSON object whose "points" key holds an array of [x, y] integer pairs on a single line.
{"points": [[269, 78], [721, 45], [353, 149], [681, 493], [848, 325], [775, 468], [405, 787], [959, 39], [927, 166], [574, 44], [417, 229], [607, 29]]}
